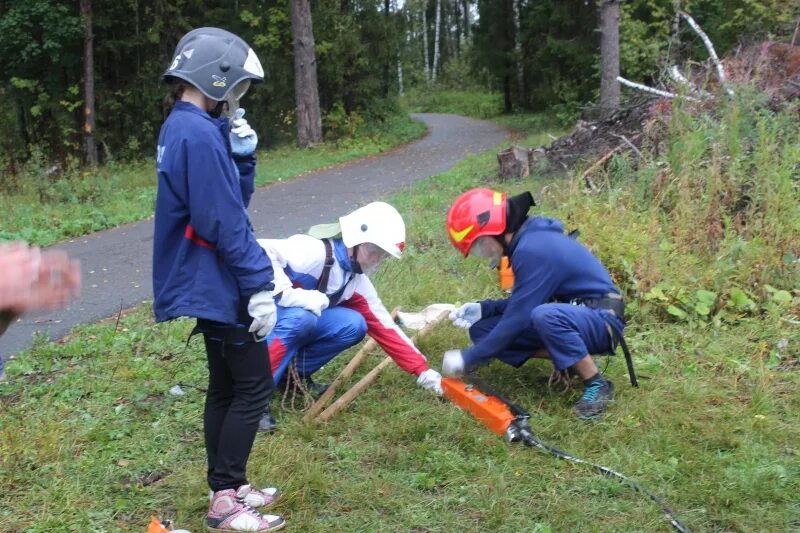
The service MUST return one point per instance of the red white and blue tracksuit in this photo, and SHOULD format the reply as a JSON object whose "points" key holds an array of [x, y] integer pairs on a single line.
{"points": [[355, 310], [551, 270]]}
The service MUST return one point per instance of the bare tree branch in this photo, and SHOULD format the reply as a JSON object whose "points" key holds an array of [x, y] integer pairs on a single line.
{"points": [[651, 90], [711, 52]]}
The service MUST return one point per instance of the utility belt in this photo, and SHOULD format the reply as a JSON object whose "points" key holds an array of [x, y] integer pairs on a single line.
{"points": [[610, 302], [613, 303]]}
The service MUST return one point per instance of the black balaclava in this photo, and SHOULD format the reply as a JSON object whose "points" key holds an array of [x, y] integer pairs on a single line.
{"points": [[517, 208]]}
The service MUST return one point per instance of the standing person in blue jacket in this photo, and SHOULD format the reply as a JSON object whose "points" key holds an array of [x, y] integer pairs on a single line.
{"points": [[563, 300], [207, 263]]}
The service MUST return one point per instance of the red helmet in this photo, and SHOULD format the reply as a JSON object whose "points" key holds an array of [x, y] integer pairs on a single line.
{"points": [[476, 213]]}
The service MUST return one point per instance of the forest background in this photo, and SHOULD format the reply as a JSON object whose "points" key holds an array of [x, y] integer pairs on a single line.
{"points": [[81, 80]]}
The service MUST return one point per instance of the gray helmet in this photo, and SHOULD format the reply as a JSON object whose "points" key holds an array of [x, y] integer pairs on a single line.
{"points": [[215, 61]]}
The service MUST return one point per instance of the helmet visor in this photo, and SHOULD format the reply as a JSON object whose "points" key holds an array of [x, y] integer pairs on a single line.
{"points": [[486, 247], [241, 88], [370, 256]]}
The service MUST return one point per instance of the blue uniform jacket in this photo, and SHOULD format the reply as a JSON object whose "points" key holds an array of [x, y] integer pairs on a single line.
{"points": [[548, 266], [206, 261]]}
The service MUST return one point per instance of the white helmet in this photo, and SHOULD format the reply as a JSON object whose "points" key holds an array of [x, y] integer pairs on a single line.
{"points": [[378, 223]]}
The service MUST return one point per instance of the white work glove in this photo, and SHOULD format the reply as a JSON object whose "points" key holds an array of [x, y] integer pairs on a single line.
{"points": [[310, 300], [466, 315], [431, 380], [243, 138], [453, 363], [265, 314]]}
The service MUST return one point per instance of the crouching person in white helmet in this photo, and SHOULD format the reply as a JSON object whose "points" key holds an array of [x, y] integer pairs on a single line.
{"points": [[326, 302]]}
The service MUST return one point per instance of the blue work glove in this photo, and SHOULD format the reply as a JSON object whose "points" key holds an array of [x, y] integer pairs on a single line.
{"points": [[465, 316], [243, 138]]}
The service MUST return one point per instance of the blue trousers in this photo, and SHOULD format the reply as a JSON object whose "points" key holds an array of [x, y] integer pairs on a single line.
{"points": [[312, 341], [568, 332]]}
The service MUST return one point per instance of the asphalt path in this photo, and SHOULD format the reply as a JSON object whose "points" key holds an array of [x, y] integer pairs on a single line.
{"points": [[116, 264]]}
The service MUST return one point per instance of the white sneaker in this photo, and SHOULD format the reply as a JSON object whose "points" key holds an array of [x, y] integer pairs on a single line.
{"points": [[228, 513], [254, 497]]}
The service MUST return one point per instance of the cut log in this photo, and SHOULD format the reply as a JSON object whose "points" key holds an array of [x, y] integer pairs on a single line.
{"points": [[514, 162]]}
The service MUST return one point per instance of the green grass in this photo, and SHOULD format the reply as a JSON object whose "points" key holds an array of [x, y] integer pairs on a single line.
{"points": [[90, 439], [468, 103], [43, 211]]}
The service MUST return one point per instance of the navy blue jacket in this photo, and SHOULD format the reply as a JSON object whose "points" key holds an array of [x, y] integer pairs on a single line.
{"points": [[206, 261], [548, 266]]}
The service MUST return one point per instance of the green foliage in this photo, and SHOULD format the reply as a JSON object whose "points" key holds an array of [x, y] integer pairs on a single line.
{"points": [[468, 103]]}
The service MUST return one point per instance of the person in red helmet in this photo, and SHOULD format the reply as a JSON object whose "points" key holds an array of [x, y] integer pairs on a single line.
{"points": [[563, 300]]}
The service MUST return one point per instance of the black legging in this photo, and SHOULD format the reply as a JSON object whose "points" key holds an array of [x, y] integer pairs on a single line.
{"points": [[239, 388]]}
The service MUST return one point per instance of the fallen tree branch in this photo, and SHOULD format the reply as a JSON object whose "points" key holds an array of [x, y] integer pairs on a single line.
{"points": [[676, 74], [629, 143], [651, 90], [587, 174], [711, 51]]}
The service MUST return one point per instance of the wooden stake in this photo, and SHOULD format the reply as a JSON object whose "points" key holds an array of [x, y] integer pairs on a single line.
{"points": [[347, 398], [344, 375]]}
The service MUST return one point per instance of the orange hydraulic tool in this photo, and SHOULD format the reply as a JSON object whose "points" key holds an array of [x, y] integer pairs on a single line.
{"points": [[490, 411], [511, 422]]}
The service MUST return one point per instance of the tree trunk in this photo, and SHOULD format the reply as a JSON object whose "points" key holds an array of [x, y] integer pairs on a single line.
{"points": [[466, 20], [435, 66], [517, 4], [89, 141], [388, 58], [400, 88], [306, 90], [425, 44], [609, 57]]}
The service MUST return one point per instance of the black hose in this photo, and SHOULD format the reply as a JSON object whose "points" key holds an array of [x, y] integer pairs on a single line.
{"points": [[531, 440]]}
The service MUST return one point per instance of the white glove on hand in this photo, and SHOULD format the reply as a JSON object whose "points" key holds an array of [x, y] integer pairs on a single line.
{"points": [[431, 380], [453, 363], [465, 316], [243, 138], [310, 300], [265, 314]]}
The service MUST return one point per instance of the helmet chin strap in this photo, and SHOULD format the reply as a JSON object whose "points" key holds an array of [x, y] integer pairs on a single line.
{"points": [[216, 112], [502, 240], [354, 265]]}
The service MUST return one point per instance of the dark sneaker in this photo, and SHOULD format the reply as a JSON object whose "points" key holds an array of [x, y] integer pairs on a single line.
{"points": [[267, 422], [228, 512], [316, 389], [595, 399]]}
